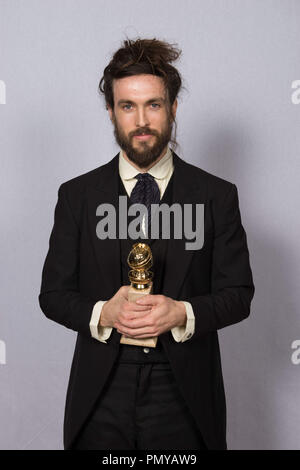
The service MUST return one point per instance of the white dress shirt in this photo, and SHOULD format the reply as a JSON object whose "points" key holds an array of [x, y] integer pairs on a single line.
{"points": [[162, 172]]}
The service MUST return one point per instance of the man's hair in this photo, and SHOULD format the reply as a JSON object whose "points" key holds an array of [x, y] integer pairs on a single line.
{"points": [[143, 56]]}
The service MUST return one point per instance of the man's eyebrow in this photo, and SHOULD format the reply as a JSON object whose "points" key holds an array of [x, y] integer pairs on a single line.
{"points": [[147, 102]]}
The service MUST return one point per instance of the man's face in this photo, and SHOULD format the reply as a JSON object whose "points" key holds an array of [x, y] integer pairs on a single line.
{"points": [[142, 118]]}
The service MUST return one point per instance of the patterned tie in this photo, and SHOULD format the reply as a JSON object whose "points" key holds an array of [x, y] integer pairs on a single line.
{"points": [[146, 191]]}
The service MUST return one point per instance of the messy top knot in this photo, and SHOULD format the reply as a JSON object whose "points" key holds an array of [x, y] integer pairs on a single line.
{"points": [[143, 56]]}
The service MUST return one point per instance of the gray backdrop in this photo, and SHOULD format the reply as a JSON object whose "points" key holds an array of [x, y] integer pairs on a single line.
{"points": [[238, 118]]}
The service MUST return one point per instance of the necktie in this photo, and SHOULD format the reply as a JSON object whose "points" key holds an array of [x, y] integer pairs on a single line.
{"points": [[146, 191]]}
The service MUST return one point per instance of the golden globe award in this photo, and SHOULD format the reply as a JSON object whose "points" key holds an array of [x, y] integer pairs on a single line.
{"points": [[140, 261]]}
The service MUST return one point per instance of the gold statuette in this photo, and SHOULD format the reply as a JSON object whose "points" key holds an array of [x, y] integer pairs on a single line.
{"points": [[140, 261]]}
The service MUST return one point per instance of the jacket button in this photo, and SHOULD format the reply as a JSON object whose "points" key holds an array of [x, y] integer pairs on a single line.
{"points": [[146, 350]]}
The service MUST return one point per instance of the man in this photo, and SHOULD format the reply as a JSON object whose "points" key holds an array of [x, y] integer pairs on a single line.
{"points": [[123, 396]]}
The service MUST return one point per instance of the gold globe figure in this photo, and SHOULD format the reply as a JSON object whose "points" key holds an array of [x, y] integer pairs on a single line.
{"points": [[140, 260]]}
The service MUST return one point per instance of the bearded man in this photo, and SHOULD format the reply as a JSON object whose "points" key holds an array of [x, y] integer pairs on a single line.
{"points": [[123, 396]]}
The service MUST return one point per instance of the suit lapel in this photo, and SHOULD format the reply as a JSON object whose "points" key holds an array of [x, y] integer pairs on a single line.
{"points": [[107, 251], [186, 190]]}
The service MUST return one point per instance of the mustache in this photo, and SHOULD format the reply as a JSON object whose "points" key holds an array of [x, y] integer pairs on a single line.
{"points": [[143, 131]]}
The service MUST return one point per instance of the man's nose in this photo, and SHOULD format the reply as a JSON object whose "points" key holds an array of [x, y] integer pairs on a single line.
{"points": [[142, 119]]}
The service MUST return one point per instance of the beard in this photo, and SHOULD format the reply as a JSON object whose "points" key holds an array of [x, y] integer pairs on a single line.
{"points": [[144, 154]]}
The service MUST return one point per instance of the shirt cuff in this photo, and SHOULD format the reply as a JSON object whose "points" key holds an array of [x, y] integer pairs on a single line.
{"points": [[183, 333], [101, 333]]}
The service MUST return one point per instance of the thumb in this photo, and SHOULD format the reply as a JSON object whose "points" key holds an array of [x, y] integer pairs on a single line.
{"points": [[124, 291]]}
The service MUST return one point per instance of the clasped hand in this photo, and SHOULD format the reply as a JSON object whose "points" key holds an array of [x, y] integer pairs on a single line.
{"points": [[150, 316]]}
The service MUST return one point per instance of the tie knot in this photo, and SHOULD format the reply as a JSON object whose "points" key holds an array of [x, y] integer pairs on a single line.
{"points": [[144, 177]]}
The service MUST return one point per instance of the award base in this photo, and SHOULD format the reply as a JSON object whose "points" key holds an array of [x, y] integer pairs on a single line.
{"points": [[133, 296]]}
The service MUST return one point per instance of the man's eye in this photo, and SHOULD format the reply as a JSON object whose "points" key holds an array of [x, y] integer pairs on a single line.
{"points": [[129, 106]]}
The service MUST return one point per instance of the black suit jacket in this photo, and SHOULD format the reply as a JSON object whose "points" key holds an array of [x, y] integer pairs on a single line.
{"points": [[81, 269]]}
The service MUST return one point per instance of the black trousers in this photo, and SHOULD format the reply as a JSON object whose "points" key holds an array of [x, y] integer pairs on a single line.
{"points": [[140, 407]]}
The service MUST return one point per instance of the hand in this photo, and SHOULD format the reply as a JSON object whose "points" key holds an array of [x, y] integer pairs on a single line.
{"points": [[118, 307], [162, 314]]}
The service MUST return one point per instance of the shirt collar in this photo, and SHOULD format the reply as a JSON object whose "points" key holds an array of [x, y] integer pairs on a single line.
{"points": [[159, 170]]}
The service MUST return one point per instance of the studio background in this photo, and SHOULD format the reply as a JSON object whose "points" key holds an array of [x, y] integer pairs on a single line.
{"points": [[238, 119]]}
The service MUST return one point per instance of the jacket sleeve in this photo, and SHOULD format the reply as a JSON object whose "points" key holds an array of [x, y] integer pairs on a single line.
{"points": [[59, 298], [232, 287]]}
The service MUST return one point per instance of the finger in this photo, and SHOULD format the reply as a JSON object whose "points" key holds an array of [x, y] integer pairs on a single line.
{"points": [[136, 308], [135, 332], [133, 323], [144, 336], [149, 299]]}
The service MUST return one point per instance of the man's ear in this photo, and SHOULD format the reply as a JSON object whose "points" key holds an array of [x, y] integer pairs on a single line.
{"points": [[110, 112], [174, 108]]}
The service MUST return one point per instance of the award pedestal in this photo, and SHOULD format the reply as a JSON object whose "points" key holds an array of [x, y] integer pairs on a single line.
{"points": [[133, 296]]}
